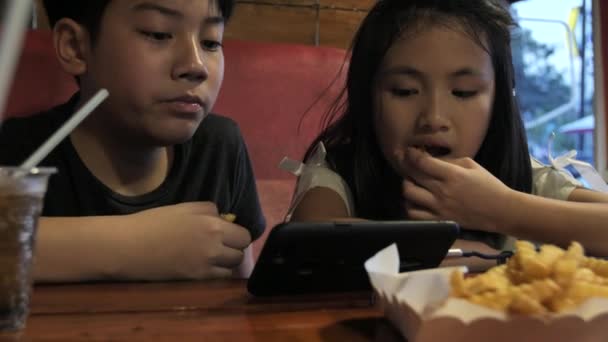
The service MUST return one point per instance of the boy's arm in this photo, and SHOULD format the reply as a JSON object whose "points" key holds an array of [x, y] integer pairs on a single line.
{"points": [[183, 241], [79, 248]]}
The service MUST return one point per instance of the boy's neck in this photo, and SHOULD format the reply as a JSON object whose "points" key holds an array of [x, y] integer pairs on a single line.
{"points": [[123, 167]]}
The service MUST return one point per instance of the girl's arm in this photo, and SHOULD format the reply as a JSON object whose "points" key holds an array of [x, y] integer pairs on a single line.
{"points": [[320, 204], [584, 218], [585, 195], [463, 191]]}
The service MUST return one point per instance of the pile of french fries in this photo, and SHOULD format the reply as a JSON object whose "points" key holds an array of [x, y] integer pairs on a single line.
{"points": [[533, 282]]}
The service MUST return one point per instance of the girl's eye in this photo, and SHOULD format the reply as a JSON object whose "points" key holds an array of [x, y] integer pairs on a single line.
{"points": [[211, 45], [157, 36], [401, 92], [464, 93]]}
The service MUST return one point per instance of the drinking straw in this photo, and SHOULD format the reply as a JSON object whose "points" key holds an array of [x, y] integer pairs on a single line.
{"points": [[64, 130]]}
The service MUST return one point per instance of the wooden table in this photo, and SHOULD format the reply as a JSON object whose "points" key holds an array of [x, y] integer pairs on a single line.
{"points": [[201, 311]]}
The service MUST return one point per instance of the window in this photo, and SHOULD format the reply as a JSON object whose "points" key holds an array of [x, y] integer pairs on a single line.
{"points": [[553, 58]]}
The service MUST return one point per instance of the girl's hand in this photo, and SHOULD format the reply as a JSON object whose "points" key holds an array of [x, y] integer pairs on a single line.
{"points": [[456, 189]]}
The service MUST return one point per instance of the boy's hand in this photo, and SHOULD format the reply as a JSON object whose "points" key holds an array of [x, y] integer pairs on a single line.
{"points": [[187, 240], [456, 189]]}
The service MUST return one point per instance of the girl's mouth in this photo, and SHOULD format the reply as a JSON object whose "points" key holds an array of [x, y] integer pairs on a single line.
{"points": [[434, 150]]}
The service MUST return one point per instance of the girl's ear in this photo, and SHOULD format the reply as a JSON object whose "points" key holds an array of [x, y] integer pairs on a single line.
{"points": [[72, 46]]}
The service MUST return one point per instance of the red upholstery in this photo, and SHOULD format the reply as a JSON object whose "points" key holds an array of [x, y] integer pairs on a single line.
{"points": [[268, 88], [39, 82], [278, 94]]}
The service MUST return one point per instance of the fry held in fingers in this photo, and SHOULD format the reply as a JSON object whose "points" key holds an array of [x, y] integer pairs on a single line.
{"points": [[229, 217]]}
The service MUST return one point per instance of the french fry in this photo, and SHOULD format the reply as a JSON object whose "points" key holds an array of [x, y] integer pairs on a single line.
{"points": [[522, 303], [458, 284], [494, 300], [228, 217], [598, 266]]}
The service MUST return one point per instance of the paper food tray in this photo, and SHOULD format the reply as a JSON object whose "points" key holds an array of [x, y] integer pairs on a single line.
{"points": [[417, 304]]}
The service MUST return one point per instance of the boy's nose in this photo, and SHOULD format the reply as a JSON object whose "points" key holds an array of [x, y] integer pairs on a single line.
{"points": [[190, 65], [433, 117]]}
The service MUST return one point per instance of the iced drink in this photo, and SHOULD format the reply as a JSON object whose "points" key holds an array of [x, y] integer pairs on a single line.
{"points": [[21, 198]]}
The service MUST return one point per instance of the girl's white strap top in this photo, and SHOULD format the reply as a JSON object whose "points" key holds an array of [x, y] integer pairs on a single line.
{"points": [[547, 181]]}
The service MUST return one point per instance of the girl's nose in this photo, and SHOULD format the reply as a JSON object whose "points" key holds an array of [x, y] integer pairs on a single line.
{"points": [[433, 117], [190, 63]]}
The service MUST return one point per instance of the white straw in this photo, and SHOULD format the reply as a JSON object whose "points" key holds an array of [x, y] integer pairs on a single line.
{"points": [[14, 28], [66, 129]]}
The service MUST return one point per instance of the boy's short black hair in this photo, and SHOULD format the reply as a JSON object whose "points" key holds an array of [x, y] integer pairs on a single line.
{"points": [[88, 13]]}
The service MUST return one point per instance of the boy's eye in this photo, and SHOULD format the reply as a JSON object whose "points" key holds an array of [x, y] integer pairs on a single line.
{"points": [[401, 92], [211, 45], [464, 93], [158, 36]]}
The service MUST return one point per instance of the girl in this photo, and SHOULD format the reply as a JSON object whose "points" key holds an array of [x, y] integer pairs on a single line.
{"points": [[428, 128]]}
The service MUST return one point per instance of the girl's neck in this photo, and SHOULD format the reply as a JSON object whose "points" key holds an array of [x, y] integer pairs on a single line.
{"points": [[126, 168]]}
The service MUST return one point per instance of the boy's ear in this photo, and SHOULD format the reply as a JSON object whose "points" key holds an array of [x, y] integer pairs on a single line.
{"points": [[72, 46]]}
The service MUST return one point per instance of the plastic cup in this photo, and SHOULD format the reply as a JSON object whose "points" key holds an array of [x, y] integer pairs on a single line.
{"points": [[21, 198]]}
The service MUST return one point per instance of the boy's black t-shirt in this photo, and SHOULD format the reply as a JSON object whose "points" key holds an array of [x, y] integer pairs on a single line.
{"points": [[212, 166]]}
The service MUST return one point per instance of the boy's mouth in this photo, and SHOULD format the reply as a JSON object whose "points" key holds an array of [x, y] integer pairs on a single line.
{"points": [[434, 150], [186, 104]]}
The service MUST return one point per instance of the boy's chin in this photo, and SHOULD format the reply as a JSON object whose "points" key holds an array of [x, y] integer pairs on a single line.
{"points": [[169, 138]]}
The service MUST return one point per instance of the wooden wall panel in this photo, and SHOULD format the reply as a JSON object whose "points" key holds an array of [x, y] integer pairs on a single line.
{"points": [[286, 24], [348, 4], [337, 27], [324, 22], [334, 21]]}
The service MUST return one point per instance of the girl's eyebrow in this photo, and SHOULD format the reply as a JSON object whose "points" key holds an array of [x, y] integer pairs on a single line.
{"points": [[415, 73], [466, 72], [402, 70]]}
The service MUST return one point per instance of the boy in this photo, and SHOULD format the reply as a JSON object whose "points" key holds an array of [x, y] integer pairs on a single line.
{"points": [[142, 181]]}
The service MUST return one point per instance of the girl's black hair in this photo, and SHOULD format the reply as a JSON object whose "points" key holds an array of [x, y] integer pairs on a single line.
{"points": [[88, 13], [349, 134]]}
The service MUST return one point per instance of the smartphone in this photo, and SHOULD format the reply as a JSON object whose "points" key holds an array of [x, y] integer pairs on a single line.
{"points": [[313, 257]]}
